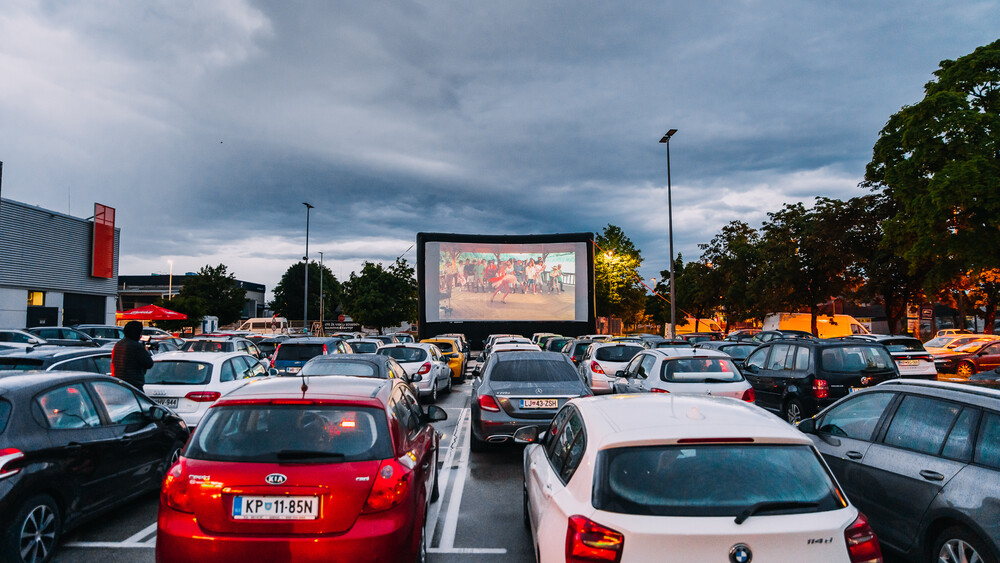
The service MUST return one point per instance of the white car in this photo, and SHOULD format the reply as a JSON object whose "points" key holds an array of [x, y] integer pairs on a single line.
{"points": [[602, 360], [364, 345], [912, 359], [684, 370], [14, 339], [683, 478], [191, 382], [424, 360]]}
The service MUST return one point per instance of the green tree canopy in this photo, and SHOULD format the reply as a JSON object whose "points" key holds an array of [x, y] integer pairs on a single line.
{"points": [[382, 297], [288, 293], [734, 254], [212, 291], [616, 276]]}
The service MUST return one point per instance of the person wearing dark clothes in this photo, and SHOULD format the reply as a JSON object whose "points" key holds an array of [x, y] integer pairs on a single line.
{"points": [[129, 358]]}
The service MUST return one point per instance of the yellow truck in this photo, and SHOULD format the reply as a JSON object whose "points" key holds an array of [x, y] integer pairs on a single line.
{"points": [[828, 326]]}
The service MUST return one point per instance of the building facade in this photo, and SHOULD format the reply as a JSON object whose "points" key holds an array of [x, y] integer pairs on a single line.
{"points": [[137, 291]]}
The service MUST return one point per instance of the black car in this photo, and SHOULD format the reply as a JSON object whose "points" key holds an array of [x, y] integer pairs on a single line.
{"points": [[921, 459], [72, 446], [576, 348], [103, 334], [356, 365], [556, 343], [769, 335], [737, 350], [517, 389], [59, 358], [63, 336], [798, 378]]}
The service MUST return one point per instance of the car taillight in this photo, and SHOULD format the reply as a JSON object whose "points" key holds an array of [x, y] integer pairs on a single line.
{"points": [[862, 545], [276, 348], [324, 350], [588, 541], [749, 395], [8, 462], [923, 358], [821, 389], [488, 403], [174, 492], [655, 390], [391, 485], [426, 368], [203, 396], [596, 368]]}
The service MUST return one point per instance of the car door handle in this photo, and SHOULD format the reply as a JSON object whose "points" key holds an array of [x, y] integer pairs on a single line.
{"points": [[931, 475], [853, 454]]}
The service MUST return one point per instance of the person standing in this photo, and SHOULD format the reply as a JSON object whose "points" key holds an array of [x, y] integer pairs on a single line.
{"points": [[129, 357]]}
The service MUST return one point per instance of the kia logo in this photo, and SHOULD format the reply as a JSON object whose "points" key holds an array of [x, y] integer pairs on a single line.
{"points": [[275, 479]]}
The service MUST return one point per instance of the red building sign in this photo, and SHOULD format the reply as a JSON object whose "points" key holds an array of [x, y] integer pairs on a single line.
{"points": [[103, 251]]}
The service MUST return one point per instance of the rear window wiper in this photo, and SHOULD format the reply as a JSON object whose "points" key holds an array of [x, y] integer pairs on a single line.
{"points": [[307, 454], [769, 506]]}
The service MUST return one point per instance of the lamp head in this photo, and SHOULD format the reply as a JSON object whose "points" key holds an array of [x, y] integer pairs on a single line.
{"points": [[667, 136]]}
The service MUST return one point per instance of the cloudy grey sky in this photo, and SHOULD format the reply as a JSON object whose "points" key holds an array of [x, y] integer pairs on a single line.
{"points": [[206, 123]]}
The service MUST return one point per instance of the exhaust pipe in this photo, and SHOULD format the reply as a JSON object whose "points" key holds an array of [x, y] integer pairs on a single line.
{"points": [[497, 439]]}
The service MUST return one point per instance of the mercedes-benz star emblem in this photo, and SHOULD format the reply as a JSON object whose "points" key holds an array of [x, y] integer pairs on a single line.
{"points": [[538, 391], [275, 479], [740, 553]]}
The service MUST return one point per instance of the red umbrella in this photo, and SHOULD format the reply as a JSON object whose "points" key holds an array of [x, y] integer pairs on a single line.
{"points": [[150, 313]]}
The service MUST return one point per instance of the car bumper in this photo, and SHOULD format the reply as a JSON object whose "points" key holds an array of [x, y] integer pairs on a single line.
{"points": [[499, 427], [386, 536], [601, 386]]}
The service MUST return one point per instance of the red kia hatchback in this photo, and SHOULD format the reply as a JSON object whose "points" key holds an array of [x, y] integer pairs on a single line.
{"points": [[341, 471]]}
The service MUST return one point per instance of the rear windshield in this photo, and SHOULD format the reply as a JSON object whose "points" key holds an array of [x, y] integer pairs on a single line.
{"points": [[20, 364], [939, 342], [738, 351], [616, 353], [4, 414], [179, 372], [267, 348], [268, 433], [904, 345], [669, 344], [445, 347], [364, 347], [362, 369], [683, 480], [536, 371], [700, 370], [106, 332], [581, 347], [298, 352], [856, 358], [207, 346], [404, 354]]}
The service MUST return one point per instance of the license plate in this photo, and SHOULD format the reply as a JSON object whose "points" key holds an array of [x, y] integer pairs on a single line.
{"points": [[539, 403], [293, 370], [856, 389], [909, 362], [172, 403], [275, 508]]}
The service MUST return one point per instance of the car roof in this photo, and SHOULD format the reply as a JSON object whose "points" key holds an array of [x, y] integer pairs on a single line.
{"points": [[312, 340], [211, 357], [43, 352], [363, 390], [973, 394], [337, 358], [17, 381], [618, 420], [612, 343], [513, 355], [671, 353]]}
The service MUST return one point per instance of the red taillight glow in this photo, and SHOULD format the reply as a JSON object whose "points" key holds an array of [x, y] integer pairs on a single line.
{"points": [[203, 396], [749, 395], [821, 389], [588, 541], [596, 368], [862, 545], [324, 350], [426, 368], [488, 403], [655, 390], [174, 492], [391, 485], [924, 358], [8, 462]]}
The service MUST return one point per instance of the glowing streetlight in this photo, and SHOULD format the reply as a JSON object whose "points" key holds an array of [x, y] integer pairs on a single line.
{"points": [[670, 223]]}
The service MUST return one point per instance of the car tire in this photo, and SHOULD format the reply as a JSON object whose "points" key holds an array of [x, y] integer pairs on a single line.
{"points": [[524, 510], [965, 370], [793, 411], [422, 546], [435, 490], [172, 456], [38, 522], [434, 392], [957, 544], [448, 388]]}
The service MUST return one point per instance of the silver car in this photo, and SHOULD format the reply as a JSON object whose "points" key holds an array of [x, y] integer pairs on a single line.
{"points": [[422, 360]]}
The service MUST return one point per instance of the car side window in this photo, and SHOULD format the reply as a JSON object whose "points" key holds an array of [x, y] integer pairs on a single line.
{"points": [[79, 364], [632, 369], [416, 413], [69, 407], [122, 405], [779, 354], [757, 359], [959, 443], [228, 372], [256, 369], [569, 446], [103, 364], [856, 417], [921, 424], [553, 437], [988, 445], [802, 357]]}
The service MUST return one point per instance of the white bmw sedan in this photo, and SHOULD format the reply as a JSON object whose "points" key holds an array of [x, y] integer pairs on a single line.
{"points": [[649, 477]]}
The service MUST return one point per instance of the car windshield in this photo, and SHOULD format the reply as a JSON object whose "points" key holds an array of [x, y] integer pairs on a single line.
{"points": [[533, 370], [404, 354], [207, 346], [364, 347], [972, 347], [738, 351], [445, 347], [179, 372], [616, 353], [699, 370], [856, 358], [298, 352], [939, 342], [904, 345], [683, 480], [340, 367], [266, 433]]}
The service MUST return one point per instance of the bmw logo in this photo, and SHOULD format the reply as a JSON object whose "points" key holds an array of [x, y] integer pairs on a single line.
{"points": [[740, 553], [278, 478]]}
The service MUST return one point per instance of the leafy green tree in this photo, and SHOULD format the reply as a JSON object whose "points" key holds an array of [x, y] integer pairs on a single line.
{"points": [[735, 255], [287, 300], [191, 306], [212, 291], [939, 160], [382, 297], [618, 292]]}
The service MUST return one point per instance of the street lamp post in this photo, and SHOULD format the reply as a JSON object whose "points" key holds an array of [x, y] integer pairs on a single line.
{"points": [[670, 226], [321, 325], [170, 282], [305, 296]]}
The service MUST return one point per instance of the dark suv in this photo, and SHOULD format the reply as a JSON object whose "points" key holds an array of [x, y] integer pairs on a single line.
{"points": [[797, 378], [922, 460]]}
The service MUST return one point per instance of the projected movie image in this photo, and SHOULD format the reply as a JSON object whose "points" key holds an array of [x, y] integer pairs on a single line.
{"points": [[505, 282]]}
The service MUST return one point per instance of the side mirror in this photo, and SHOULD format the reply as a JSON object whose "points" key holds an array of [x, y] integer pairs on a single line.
{"points": [[416, 377], [526, 435], [620, 374], [807, 426], [475, 371], [435, 414], [157, 413]]}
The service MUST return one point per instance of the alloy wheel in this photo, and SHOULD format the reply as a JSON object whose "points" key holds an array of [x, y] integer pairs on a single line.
{"points": [[965, 369], [958, 551], [38, 534], [793, 413]]}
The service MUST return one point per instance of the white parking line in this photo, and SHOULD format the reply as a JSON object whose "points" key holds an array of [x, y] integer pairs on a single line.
{"points": [[447, 470], [455, 502], [151, 529], [132, 542]]}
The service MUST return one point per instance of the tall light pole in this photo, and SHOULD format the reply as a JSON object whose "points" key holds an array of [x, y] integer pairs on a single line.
{"points": [[170, 282], [670, 223], [305, 295], [321, 325]]}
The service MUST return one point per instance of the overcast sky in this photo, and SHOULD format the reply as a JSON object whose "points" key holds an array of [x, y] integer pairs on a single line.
{"points": [[207, 123]]}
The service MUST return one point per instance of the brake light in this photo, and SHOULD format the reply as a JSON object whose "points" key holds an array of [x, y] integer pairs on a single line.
{"points": [[596, 368], [426, 368], [749, 395], [923, 358], [488, 403], [862, 544], [174, 492], [324, 350], [203, 396], [588, 541], [655, 390], [821, 389], [8, 462], [391, 485]]}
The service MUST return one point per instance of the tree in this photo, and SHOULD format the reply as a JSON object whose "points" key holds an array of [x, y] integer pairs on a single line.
{"points": [[617, 289], [191, 306], [288, 293], [382, 297], [939, 160], [212, 291], [735, 255]]}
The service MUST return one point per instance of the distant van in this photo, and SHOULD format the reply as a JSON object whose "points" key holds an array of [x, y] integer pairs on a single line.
{"points": [[266, 325], [704, 325], [828, 326]]}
